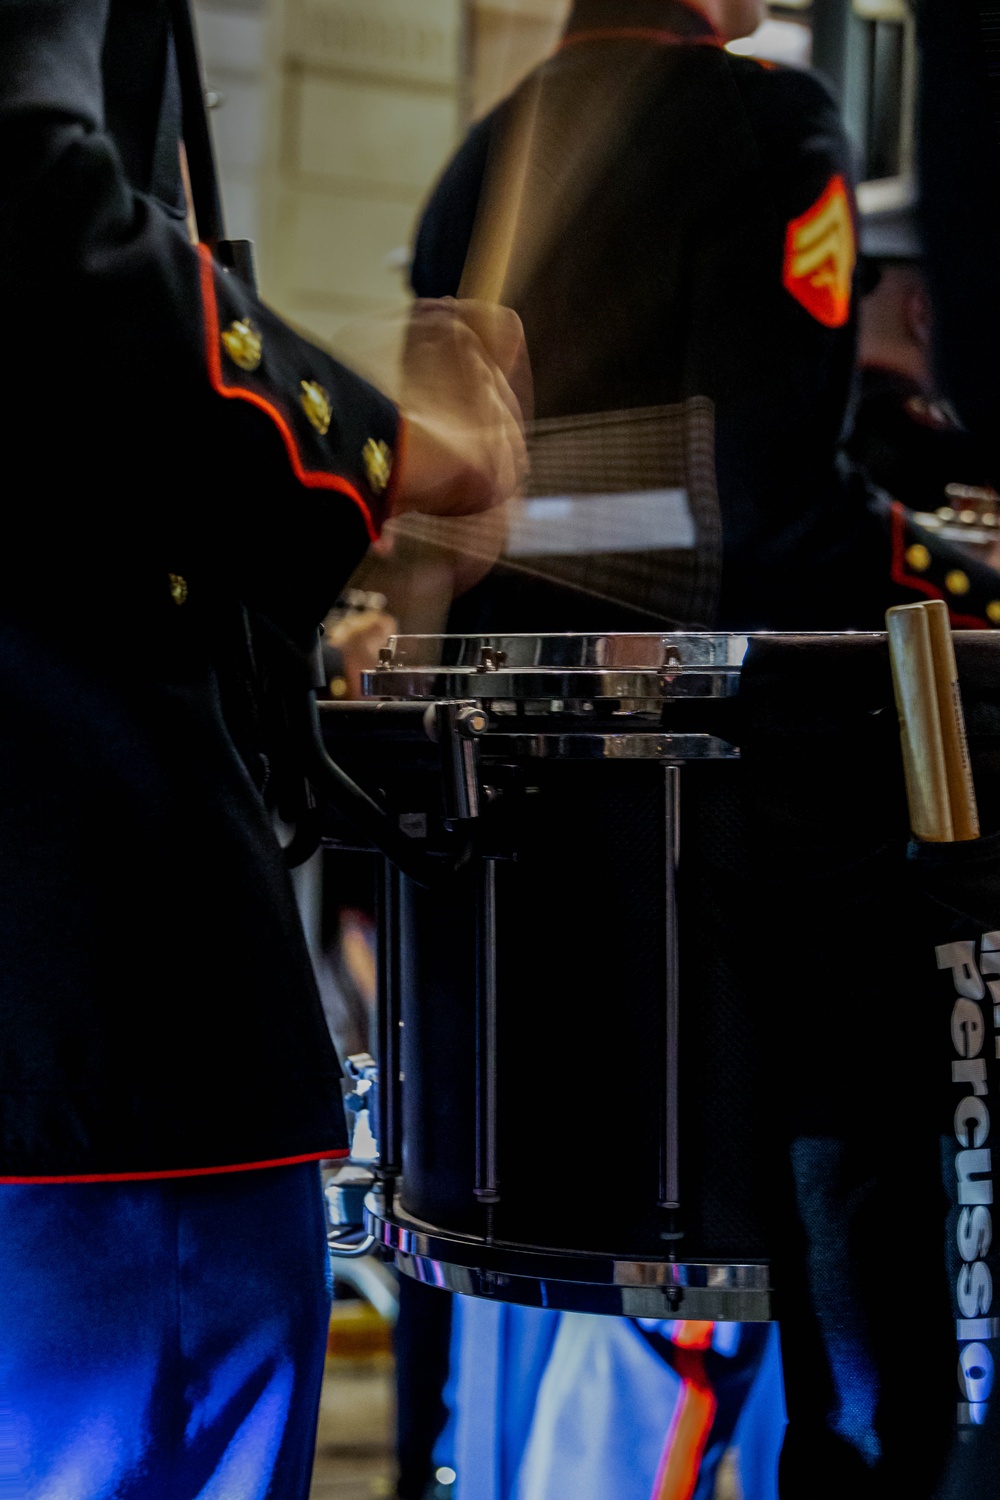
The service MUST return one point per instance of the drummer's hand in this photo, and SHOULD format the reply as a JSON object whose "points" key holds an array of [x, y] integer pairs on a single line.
{"points": [[358, 636], [464, 447]]}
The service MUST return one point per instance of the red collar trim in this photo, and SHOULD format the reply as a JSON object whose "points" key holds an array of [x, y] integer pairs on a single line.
{"points": [[670, 23], [640, 34]]}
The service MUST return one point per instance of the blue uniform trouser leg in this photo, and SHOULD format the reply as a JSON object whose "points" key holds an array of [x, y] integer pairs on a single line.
{"points": [[162, 1339]]}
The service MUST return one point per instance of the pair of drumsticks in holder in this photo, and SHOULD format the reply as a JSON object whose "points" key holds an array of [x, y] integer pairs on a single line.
{"points": [[936, 765]]}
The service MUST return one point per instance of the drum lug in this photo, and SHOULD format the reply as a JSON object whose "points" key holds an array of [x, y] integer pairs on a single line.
{"points": [[457, 727], [492, 1283], [491, 659]]}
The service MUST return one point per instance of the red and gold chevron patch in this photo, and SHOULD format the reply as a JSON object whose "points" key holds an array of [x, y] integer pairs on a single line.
{"points": [[820, 256]]}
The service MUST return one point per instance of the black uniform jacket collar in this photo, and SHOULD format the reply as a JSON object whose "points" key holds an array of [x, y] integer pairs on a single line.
{"points": [[663, 17]]}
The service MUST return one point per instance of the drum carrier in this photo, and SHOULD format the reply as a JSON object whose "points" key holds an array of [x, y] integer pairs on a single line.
{"points": [[568, 1103]]}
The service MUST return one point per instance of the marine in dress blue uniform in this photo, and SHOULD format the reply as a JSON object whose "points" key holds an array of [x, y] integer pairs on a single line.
{"points": [[179, 461], [710, 252]]}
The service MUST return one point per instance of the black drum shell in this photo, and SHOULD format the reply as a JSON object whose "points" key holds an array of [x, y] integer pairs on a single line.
{"points": [[581, 962], [791, 928]]}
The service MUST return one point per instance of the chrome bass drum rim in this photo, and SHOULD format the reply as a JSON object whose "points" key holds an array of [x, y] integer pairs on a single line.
{"points": [[569, 1281], [641, 671]]}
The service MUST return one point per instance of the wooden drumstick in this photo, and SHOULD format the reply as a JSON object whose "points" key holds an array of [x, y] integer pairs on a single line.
{"points": [[534, 187], [913, 681], [958, 766], [491, 248]]}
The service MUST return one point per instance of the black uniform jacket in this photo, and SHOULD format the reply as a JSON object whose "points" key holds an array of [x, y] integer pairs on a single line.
{"points": [[911, 445], [687, 230], [173, 453]]}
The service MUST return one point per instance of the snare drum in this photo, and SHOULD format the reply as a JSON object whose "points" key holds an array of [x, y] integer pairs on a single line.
{"points": [[570, 1106]]}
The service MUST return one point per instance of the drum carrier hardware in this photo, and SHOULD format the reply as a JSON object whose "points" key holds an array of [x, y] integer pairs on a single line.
{"points": [[567, 1106]]}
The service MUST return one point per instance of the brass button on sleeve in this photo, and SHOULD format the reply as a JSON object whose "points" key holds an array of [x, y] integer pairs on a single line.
{"points": [[918, 557], [957, 582], [377, 457], [993, 611], [315, 403], [243, 344]]}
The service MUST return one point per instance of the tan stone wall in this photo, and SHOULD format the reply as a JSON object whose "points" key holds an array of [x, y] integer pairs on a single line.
{"points": [[507, 38], [364, 109], [336, 118], [233, 35]]}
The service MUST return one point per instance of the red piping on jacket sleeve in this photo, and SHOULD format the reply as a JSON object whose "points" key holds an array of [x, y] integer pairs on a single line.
{"points": [[314, 479], [243, 1166], [920, 585]]}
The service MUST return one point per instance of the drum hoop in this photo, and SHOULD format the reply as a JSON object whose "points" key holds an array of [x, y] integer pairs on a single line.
{"points": [[570, 1280]]}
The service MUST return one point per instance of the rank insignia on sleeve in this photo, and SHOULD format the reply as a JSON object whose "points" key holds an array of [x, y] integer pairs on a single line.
{"points": [[820, 256], [377, 458]]}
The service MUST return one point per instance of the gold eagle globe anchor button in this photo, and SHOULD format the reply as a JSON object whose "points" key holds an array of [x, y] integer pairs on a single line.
{"points": [[243, 344], [918, 557], [315, 402], [178, 588], [377, 457]]}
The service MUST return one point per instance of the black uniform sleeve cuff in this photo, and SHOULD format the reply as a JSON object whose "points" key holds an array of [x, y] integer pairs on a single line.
{"points": [[340, 434]]}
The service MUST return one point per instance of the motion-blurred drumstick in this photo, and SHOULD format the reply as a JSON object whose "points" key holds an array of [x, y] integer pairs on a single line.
{"points": [[961, 789], [919, 723], [537, 177], [492, 245]]}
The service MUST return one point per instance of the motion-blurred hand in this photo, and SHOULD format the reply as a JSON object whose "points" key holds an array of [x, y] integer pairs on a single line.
{"points": [[464, 449]]}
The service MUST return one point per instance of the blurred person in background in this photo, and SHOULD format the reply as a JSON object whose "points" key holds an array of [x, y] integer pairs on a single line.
{"points": [[686, 228], [904, 434]]}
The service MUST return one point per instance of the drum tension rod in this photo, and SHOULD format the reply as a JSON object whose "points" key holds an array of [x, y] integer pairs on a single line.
{"points": [[669, 1146], [486, 1188]]}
